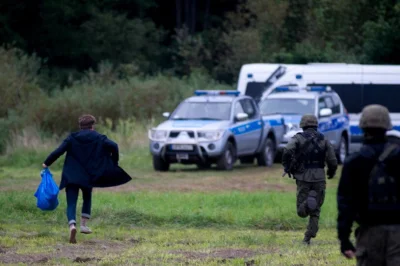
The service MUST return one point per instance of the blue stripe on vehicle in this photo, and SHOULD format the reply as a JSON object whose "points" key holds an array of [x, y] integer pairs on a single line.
{"points": [[355, 130], [334, 124], [274, 122], [246, 128]]}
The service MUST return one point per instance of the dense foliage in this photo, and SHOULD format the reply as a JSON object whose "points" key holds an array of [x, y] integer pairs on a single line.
{"points": [[122, 58], [181, 35]]}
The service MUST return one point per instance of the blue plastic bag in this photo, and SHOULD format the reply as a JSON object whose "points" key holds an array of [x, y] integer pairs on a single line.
{"points": [[47, 192]]}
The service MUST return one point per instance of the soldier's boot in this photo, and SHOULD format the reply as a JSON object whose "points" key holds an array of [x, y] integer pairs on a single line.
{"points": [[312, 200], [307, 240]]}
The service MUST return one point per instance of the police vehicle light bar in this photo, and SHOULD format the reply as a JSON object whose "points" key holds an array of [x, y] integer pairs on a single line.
{"points": [[223, 92], [319, 88], [286, 88]]}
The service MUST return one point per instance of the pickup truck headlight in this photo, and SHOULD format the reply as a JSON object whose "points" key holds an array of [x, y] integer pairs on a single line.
{"points": [[210, 135], [158, 135]]}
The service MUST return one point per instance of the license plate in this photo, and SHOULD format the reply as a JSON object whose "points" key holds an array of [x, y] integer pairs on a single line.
{"points": [[182, 147], [182, 156]]}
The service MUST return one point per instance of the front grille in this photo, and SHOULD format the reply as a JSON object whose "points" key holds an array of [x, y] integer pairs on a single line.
{"points": [[174, 134]]}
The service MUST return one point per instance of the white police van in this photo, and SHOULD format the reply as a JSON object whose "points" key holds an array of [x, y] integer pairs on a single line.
{"points": [[216, 127], [357, 85], [292, 102]]}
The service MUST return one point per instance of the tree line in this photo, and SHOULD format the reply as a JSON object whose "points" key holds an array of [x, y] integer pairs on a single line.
{"points": [[180, 36]]}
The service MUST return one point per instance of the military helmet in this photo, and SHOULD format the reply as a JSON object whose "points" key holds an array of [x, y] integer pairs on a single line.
{"points": [[309, 121], [375, 116]]}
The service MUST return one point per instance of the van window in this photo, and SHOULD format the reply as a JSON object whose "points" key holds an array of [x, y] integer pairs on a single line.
{"points": [[321, 103], [238, 108], [351, 95], [336, 104], [387, 95], [249, 108]]}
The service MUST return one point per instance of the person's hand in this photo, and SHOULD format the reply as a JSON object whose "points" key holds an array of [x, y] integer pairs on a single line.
{"points": [[44, 166], [347, 249], [349, 254]]}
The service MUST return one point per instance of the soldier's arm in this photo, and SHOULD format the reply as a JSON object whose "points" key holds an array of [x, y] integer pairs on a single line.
{"points": [[346, 212], [288, 152], [330, 159]]}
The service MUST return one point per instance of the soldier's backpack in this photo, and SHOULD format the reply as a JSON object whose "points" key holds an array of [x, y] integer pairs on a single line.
{"points": [[383, 189], [310, 155]]}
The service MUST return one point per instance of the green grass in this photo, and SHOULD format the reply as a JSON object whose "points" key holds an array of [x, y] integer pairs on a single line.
{"points": [[272, 210], [185, 216]]}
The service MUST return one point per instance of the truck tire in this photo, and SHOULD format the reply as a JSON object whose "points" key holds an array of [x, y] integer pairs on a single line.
{"points": [[227, 158], [247, 160], [267, 154], [159, 164], [343, 150]]}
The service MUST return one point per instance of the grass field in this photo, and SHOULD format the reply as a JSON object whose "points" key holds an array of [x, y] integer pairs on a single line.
{"points": [[183, 217]]}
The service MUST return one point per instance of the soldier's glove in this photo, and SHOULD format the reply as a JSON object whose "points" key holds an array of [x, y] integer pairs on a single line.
{"points": [[286, 172]]}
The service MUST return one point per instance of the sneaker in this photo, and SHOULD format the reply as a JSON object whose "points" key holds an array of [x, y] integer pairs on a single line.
{"points": [[85, 230], [72, 234], [312, 200]]}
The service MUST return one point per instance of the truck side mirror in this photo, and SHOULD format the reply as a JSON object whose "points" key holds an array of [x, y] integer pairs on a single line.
{"points": [[325, 112], [241, 117], [166, 114]]}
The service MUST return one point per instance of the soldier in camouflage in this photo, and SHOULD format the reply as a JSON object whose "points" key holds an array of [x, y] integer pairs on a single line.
{"points": [[304, 157], [378, 234]]}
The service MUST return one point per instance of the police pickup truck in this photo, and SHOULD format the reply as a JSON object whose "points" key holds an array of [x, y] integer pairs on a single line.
{"points": [[292, 102], [216, 127]]}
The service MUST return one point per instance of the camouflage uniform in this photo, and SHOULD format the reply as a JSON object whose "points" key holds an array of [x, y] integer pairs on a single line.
{"points": [[378, 234], [310, 180]]}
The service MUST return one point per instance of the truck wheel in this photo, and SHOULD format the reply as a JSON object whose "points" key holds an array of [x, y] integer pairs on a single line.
{"points": [[247, 160], [227, 159], [159, 164], [343, 150], [267, 154]]}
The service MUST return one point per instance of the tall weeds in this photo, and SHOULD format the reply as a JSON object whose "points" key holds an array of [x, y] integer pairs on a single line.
{"points": [[126, 107]]}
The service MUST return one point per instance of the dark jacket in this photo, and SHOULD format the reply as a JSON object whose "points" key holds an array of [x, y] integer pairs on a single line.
{"points": [[352, 194], [315, 174], [91, 161]]}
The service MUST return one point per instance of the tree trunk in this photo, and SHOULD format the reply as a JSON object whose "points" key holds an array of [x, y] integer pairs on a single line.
{"points": [[187, 13], [193, 17], [178, 8], [206, 14]]}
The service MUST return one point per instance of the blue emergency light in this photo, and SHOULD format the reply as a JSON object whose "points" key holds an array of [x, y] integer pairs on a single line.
{"points": [[223, 92], [286, 88], [319, 88], [249, 75], [299, 76]]}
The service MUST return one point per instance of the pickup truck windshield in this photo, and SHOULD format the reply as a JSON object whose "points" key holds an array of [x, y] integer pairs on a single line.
{"points": [[203, 111], [287, 106]]}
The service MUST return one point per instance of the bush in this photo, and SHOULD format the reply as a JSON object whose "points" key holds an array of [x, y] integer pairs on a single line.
{"points": [[142, 98], [18, 78]]}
